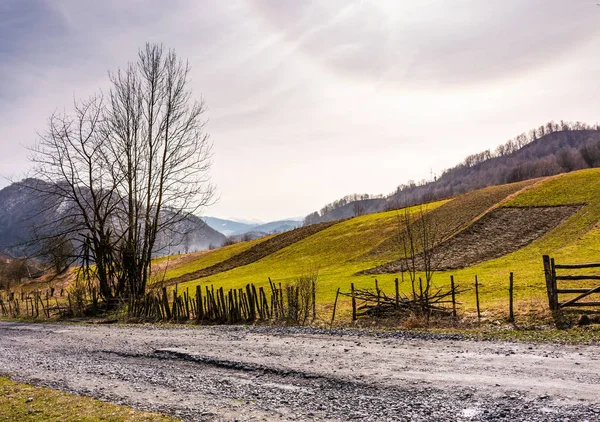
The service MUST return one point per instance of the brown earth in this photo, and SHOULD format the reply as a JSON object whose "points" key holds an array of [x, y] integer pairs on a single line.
{"points": [[460, 212], [256, 252], [498, 233]]}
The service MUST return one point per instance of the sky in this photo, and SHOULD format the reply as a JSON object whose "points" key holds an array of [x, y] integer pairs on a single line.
{"points": [[309, 101]]}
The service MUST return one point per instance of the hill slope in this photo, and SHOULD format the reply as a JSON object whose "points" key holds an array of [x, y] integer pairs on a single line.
{"points": [[344, 250], [563, 148]]}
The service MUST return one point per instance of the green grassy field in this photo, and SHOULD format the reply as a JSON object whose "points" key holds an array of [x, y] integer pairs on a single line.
{"points": [[23, 402], [206, 259], [364, 242]]}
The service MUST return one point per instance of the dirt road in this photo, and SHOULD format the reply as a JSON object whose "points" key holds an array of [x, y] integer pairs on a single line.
{"points": [[279, 374]]}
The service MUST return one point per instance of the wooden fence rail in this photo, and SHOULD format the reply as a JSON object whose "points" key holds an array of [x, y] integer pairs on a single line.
{"points": [[554, 291]]}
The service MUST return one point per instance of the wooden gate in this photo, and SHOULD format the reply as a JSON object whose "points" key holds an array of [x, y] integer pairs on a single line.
{"points": [[550, 268]]}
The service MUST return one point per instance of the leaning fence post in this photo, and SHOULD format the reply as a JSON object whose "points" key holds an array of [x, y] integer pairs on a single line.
{"points": [[511, 315], [334, 308], [353, 302]]}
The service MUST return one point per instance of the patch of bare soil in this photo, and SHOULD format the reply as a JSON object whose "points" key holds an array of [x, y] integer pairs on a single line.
{"points": [[256, 252], [498, 233], [457, 214]]}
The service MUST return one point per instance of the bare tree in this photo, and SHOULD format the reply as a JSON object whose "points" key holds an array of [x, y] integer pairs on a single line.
{"points": [[15, 270], [418, 238], [58, 253], [358, 208], [161, 151], [73, 177], [128, 168]]}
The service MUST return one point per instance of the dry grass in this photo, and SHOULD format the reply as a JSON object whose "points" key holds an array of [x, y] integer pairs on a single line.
{"points": [[24, 402]]}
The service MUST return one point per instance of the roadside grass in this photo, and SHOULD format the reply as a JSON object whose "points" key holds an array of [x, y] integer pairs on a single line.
{"points": [[576, 335], [24, 402]]}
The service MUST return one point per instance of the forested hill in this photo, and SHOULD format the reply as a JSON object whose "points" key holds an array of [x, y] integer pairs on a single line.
{"points": [[550, 149]]}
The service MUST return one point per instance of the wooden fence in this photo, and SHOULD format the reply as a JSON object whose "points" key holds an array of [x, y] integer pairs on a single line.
{"points": [[294, 304], [31, 305], [289, 304], [550, 268]]}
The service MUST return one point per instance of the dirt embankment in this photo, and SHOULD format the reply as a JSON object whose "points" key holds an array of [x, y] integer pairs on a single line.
{"points": [[256, 252], [498, 233]]}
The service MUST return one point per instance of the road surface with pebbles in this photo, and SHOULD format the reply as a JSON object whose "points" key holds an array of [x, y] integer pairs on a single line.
{"points": [[291, 374]]}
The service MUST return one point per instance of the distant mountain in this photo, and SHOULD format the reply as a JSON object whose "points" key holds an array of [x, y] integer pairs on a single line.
{"points": [[238, 228], [278, 226], [550, 149], [229, 227], [18, 213], [21, 209]]}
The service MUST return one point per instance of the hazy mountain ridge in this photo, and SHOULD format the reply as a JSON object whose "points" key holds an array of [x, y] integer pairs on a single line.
{"points": [[21, 208], [237, 228], [228, 227]]}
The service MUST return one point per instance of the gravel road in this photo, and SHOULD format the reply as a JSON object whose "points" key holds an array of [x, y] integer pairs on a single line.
{"points": [[285, 374]]}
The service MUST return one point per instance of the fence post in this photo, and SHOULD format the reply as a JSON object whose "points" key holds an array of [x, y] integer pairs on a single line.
{"points": [[353, 303], [511, 315], [314, 300], [397, 293], [378, 296], [334, 308], [477, 298], [549, 282], [199, 307], [453, 297]]}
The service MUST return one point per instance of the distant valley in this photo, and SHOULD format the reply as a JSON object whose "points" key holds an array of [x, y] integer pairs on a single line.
{"points": [[255, 229]]}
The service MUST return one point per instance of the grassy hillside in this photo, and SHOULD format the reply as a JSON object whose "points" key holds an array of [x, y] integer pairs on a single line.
{"points": [[337, 251], [253, 252], [177, 266], [574, 241], [363, 242]]}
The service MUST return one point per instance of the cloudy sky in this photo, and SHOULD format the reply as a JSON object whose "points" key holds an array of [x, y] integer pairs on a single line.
{"points": [[310, 101]]}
